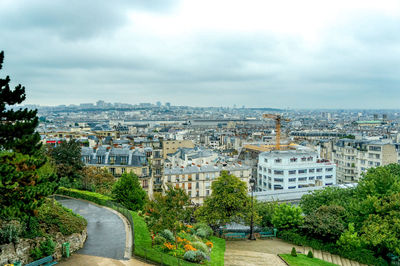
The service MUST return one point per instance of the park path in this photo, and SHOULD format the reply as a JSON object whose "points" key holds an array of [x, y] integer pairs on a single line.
{"points": [[264, 252], [106, 230]]}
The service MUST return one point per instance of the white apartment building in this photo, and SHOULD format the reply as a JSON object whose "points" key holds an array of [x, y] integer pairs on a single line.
{"points": [[196, 180], [355, 157], [293, 169]]}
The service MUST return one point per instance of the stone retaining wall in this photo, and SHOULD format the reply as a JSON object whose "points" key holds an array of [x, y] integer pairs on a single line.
{"points": [[20, 251]]}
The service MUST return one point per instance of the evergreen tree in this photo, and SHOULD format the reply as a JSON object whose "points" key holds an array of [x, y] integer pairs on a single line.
{"points": [[17, 127], [128, 192]]}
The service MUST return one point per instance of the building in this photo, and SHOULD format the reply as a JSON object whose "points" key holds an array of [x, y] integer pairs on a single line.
{"points": [[293, 169], [195, 156], [171, 146], [118, 161], [196, 180], [355, 157]]}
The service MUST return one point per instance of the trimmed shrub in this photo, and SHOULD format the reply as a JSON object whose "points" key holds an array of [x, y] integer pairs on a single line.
{"points": [[293, 252], [310, 254], [201, 246], [194, 256], [168, 235]]}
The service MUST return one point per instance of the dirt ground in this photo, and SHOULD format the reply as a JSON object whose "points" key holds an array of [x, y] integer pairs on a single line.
{"points": [[84, 260], [258, 252]]}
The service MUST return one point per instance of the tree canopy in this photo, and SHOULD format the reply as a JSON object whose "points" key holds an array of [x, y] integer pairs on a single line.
{"points": [[228, 202], [128, 192]]}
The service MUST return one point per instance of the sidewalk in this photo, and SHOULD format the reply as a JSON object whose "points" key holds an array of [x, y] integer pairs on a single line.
{"points": [[85, 260]]}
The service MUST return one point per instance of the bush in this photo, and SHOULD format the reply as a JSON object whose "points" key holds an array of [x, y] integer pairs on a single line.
{"points": [[293, 252], [32, 228], [9, 233], [310, 254], [168, 235], [287, 216], [128, 191], [86, 195], [201, 246], [194, 256], [159, 240], [46, 248]]}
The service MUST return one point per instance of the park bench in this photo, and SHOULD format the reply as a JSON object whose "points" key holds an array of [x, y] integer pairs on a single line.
{"points": [[46, 261], [268, 234], [235, 235]]}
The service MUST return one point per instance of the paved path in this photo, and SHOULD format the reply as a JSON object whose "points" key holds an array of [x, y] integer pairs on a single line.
{"points": [[106, 230], [85, 260]]}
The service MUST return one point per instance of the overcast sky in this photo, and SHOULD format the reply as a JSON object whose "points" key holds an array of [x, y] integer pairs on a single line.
{"points": [[297, 54]]}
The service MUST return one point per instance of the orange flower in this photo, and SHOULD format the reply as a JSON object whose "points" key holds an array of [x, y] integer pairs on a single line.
{"points": [[189, 226], [209, 244], [169, 246], [179, 239], [189, 247]]}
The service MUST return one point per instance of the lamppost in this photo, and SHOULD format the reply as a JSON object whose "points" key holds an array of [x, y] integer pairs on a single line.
{"points": [[252, 182]]}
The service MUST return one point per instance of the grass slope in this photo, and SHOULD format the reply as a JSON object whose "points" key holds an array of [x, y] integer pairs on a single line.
{"points": [[303, 260]]}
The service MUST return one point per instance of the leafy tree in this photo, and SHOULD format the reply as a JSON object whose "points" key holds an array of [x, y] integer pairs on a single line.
{"points": [[349, 240], [168, 211], [99, 180], [25, 180], [67, 157], [287, 216], [228, 202], [17, 127], [326, 223], [265, 211], [128, 192]]}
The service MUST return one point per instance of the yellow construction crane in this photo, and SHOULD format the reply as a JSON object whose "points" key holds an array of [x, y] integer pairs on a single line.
{"points": [[277, 119]]}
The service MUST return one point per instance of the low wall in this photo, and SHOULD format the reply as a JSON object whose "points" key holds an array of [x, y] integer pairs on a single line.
{"points": [[20, 251]]}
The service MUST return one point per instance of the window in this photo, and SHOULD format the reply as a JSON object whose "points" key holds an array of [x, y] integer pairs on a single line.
{"points": [[377, 164], [189, 185], [319, 177], [112, 159], [123, 160], [278, 180], [269, 171], [310, 158], [266, 160], [260, 168], [319, 170], [269, 178], [278, 160], [328, 184], [277, 187], [112, 170], [144, 171], [329, 169], [292, 172], [374, 148], [122, 170], [207, 185], [302, 178], [292, 160], [197, 185], [303, 159], [197, 194], [292, 187], [311, 170], [328, 176], [207, 192], [99, 159], [265, 169], [311, 178], [278, 172], [169, 178], [302, 171], [197, 177], [292, 179]]}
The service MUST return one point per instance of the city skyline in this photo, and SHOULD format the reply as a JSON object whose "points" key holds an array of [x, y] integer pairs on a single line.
{"points": [[310, 55]]}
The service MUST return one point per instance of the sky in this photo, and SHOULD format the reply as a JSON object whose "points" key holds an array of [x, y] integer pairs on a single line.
{"points": [[257, 53]]}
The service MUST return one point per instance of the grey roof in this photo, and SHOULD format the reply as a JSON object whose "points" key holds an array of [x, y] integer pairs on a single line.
{"points": [[119, 152], [204, 168]]}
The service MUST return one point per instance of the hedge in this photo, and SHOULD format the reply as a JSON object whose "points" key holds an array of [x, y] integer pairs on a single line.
{"points": [[363, 256], [86, 195]]}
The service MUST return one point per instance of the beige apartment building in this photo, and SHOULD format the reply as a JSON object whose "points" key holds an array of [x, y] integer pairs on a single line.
{"points": [[355, 157], [171, 146], [196, 180]]}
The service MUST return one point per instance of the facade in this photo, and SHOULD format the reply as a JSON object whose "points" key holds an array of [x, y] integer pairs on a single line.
{"points": [[196, 180], [293, 169], [355, 157], [196, 156], [118, 161], [171, 146]]}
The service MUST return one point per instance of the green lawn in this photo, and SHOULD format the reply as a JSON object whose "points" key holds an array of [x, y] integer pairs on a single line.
{"points": [[303, 260], [218, 251]]}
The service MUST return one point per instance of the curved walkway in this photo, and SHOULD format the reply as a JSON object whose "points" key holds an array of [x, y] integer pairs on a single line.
{"points": [[106, 230]]}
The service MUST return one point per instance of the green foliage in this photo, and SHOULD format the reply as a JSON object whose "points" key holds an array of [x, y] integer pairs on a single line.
{"points": [[9, 233], [265, 211], [195, 256], [67, 158], [46, 248], [326, 223], [159, 240], [229, 201], [128, 191], [168, 211], [303, 260], [201, 246], [287, 216], [310, 254], [53, 214], [17, 127], [218, 251], [168, 235], [98, 180], [202, 230], [293, 252], [86, 195], [22, 186], [349, 240]]}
